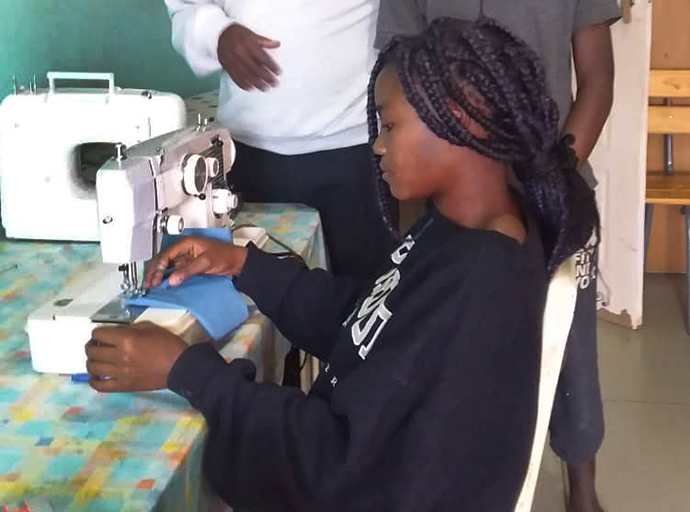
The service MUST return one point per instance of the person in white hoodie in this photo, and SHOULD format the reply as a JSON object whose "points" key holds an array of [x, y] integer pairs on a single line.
{"points": [[293, 96]]}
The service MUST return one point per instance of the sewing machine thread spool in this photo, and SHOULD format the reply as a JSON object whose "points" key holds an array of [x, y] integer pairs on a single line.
{"points": [[202, 122], [120, 152]]}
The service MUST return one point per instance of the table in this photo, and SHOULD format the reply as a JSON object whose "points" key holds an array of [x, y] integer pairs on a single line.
{"points": [[64, 447]]}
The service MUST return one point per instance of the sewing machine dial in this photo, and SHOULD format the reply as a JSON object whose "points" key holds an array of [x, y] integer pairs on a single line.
{"points": [[173, 225], [194, 175], [223, 201]]}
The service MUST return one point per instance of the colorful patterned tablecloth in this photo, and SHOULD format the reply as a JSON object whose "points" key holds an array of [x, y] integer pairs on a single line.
{"points": [[65, 447]]}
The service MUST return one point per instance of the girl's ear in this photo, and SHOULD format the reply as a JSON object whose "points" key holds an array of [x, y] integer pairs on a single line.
{"points": [[467, 121]]}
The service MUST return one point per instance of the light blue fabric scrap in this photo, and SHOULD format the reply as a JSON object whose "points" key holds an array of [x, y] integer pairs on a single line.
{"points": [[212, 300]]}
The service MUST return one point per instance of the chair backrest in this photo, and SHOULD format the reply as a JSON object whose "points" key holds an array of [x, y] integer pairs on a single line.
{"points": [[558, 317], [669, 84]]}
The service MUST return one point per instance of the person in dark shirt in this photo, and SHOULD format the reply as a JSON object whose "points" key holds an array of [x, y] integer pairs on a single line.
{"points": [[428, 399]]}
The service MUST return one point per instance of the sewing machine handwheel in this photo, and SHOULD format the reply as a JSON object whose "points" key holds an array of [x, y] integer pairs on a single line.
{"points": [[195, 175]]}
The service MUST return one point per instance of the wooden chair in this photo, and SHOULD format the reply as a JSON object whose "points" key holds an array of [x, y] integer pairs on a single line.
{"points": [[558, 317], [667, 187]]}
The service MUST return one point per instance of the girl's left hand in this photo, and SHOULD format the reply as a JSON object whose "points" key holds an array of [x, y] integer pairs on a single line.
{"points": [[136, 357]]}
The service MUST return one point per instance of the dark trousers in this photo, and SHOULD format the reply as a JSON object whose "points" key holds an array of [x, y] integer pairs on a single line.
{"points": [[339, 183], [577, 419]]}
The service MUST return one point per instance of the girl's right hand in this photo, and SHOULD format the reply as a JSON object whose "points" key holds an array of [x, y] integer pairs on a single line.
{"points": [[192, 256]]}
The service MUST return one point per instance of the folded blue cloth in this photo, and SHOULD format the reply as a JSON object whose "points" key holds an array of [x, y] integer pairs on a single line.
{"points": [[212, 300]]}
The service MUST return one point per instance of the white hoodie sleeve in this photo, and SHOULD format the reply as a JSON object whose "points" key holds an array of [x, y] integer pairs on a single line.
{"points": [[196, 28]]}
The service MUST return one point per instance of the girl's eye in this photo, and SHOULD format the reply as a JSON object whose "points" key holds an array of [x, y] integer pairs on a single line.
{"points": [[387, 127]]}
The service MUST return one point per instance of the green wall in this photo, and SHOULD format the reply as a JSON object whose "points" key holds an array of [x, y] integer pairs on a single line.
{"points": [[130, 38]]}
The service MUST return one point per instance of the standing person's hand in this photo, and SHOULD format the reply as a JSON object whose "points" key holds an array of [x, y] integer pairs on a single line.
{"points": [[244, 56]]}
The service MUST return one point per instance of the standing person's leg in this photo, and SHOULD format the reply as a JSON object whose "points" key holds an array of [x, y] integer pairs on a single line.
{"points": [[356, 237], [577, 420], [264, 177], [339, 183]]}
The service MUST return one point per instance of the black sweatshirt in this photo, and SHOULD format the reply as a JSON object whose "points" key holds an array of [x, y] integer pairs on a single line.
{"points": [[428, 400]]}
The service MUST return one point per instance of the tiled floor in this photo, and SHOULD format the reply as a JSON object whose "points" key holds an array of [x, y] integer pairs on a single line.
{"points": [[644, 464]]}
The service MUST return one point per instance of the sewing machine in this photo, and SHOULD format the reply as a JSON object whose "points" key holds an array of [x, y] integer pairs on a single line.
{"points": [[54, 141], [154, 188]]}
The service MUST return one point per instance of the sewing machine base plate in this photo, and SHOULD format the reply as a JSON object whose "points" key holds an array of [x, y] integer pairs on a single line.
{"points": [[60, 328], [117, 312]]}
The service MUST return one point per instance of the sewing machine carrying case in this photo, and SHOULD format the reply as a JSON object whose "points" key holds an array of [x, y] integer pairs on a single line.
{"points": [[52, 142]]}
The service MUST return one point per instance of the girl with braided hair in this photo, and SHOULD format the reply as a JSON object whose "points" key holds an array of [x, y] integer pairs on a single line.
{"points": [[428, 397], [486, 91], [567, 35]]}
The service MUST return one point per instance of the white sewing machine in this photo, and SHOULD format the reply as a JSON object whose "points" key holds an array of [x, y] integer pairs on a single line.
{"points": [[156, 187], [54, 141]]}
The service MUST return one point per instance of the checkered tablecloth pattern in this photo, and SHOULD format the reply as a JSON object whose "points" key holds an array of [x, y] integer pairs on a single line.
{"points": [[64, 447]]}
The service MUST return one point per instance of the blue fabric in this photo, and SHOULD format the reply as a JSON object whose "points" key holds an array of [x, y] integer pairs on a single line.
{"points": [[212, 300]]}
